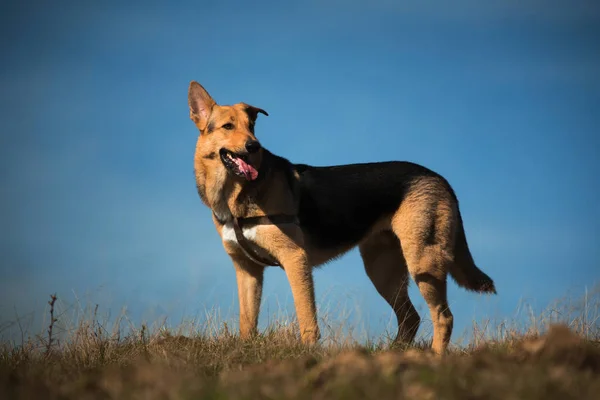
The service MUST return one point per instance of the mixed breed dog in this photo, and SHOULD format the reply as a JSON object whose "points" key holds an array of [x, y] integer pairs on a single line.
{"points": [[403, 217]]}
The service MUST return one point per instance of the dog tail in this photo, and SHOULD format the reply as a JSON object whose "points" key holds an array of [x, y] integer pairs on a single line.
{"points": [[463, 270]]}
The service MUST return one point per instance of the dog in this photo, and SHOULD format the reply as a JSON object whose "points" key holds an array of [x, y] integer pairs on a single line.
{"points": [[403, 217]]}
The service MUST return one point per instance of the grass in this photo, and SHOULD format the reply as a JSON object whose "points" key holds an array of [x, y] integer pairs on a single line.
{"points": [[556, 355]]}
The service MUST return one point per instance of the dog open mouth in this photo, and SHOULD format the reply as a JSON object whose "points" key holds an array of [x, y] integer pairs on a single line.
{"points": [[238, 164]]}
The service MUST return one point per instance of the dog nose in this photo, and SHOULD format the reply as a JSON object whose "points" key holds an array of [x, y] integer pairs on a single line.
{"points": [[252, 146]]}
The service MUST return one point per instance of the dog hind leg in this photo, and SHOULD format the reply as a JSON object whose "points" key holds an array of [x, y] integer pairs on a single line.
{"points": [[426, 229], [385, 266]]}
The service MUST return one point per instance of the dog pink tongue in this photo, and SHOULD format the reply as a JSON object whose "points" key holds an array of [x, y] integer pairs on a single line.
{"points": [[248, 170]]}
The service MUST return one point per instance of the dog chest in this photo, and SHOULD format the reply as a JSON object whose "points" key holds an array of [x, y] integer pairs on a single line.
{"points": [[228, 234], [249, 247]]}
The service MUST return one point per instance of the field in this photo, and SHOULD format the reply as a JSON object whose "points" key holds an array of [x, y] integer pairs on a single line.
{"points": [[555, 356]]}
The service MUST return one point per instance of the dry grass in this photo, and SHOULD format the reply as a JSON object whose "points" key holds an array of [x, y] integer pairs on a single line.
{"points": [[86, 356]]}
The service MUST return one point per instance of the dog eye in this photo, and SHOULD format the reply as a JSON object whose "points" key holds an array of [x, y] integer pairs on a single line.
{"points": [[228, 126]]}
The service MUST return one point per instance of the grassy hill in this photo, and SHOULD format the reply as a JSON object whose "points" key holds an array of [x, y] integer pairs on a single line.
{"points": [[552, 358]]}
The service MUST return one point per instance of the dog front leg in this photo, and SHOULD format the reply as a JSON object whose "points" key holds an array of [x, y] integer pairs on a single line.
{"points": [[299, 274], [250, 282]]}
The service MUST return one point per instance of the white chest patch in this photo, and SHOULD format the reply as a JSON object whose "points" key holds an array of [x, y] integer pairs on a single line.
{"points": [[228, 234]]}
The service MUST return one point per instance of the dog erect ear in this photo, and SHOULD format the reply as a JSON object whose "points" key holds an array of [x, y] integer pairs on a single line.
{"points": [[200, 104], [253, 112]]}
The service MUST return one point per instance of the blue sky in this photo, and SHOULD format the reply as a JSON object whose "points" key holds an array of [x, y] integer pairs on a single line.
{"points": [[99, 199]]}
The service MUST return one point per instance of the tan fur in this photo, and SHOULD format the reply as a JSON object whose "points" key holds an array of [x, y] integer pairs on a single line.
{"points": [[423, 243]]}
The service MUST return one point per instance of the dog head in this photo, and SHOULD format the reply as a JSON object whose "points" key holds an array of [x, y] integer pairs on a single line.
{"points": [[226, 134]]}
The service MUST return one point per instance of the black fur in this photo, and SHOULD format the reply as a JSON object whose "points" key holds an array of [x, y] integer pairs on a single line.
{"points": [[324, 210]]}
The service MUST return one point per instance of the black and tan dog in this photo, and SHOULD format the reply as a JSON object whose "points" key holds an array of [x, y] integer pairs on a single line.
{"points": [[403, 217]]}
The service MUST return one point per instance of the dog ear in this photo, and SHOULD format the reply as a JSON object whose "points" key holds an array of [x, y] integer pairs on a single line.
{"points": [[200, 104], [253, 112]]}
